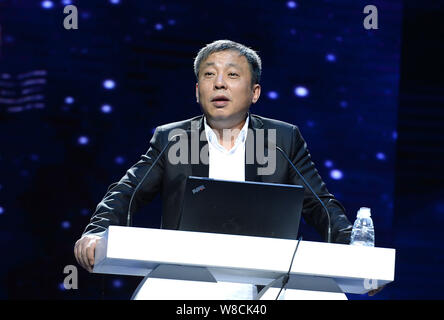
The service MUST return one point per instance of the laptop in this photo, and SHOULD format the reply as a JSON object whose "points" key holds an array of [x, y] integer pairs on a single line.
{"points": [[241, 208]]}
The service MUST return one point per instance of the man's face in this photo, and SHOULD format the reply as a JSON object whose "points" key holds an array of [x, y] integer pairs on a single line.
{"points": [[224, 89]]}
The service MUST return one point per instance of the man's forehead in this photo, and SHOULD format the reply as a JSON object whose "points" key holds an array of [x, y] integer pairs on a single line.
{"points": [[228, 57], [228, 64]]}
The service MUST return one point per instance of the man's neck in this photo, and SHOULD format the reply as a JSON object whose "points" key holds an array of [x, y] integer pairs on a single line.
{"points": [[227, 138]]}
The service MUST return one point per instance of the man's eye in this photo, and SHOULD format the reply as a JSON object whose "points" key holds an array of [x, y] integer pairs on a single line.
{"points": [[233, 74], [208, 73]]}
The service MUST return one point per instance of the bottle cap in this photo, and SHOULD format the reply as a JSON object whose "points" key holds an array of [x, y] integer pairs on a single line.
{"points": [[364, 212]]}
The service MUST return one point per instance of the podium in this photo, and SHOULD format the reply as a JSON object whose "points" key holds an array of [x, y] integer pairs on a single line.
{"points": [[212, 262]]}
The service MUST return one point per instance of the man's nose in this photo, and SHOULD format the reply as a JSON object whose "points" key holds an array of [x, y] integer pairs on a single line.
{"points": [[219, 82]]}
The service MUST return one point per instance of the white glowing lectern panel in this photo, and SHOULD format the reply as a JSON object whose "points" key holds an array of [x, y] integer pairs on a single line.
{"points": [[211, 257]]}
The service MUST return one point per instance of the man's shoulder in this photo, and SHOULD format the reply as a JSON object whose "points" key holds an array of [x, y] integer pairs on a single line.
{"points": [[183, 124], [269, 123]]}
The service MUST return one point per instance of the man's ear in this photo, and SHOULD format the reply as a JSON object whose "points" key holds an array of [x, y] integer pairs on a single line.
{"points": [[197, 92], [256, 93]]}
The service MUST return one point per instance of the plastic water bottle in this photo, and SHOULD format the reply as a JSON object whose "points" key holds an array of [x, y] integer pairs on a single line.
{"points": [[363, 232]]}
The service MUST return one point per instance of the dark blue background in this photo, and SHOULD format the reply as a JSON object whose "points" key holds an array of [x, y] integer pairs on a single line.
{"points": [[63, 149]]}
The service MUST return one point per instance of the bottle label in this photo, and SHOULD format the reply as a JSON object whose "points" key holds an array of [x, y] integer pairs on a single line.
{"points": [[370, 284]]}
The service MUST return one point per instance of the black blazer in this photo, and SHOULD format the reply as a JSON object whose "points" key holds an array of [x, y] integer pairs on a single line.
{"points": [[169, 179]]}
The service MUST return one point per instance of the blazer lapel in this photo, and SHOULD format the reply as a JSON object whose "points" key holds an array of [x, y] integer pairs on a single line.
{"points": [[251, 164], [199, 168]]}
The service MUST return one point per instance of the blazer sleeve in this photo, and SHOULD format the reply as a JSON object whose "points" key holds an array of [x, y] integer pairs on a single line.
{"points": [[113, 208], [313, 212]]}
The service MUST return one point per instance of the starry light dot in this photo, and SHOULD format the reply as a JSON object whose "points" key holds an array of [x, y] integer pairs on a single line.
{"points": [[2, 210], [336, 174], [330, 57], [69, 100], [273, 95], [328, 163], [85, 15], [83, 140], [109, 84], [380, 156], [158, 26], [106, 108], [114, 1], [8, 38], [117, 283], [119, 160], [66, 2], [292, 4], [66, 224], [301, 91], [343, 104], [47, 4], [62, 286]]}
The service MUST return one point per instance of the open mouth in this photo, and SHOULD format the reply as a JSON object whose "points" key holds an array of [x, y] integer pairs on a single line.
{"points": [[220, 101]]}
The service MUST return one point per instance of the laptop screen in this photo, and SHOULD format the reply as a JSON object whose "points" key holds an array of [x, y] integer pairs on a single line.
{"points": [[241, 208]]}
